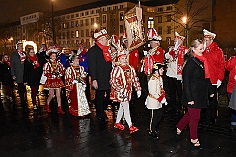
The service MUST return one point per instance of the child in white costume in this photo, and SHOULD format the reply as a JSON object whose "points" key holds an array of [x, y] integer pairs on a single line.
{"points": [[123, 77], [156, 98]]}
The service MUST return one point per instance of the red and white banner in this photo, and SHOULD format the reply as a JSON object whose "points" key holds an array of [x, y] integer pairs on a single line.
{"points": [[134, 28]]}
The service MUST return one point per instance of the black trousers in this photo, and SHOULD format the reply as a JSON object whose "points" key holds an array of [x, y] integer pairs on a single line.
{"points": [[22, 90], [155, 117], [175, 86], [87, 91], [213, 102], [102, 99]]}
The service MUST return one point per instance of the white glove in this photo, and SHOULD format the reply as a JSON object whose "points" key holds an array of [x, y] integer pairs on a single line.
{"points": [[218, 83], [54, 76], [235, 77], [75, 81], [60, 75], [138, 94], [164, 101], [144, 53]]}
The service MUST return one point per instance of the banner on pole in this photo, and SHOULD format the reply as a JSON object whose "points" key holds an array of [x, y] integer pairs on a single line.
{"points": [[134, 28]]}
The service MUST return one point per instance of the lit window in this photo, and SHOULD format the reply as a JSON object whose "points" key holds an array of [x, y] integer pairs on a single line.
{"points": [[121, 16], [77, 34], [150, 22]]}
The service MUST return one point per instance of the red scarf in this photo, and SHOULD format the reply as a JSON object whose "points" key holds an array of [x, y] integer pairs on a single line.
{"points": [[181, 53], [7, 62], [22, 56], [106, 53], [204, 60], [34, 61]]}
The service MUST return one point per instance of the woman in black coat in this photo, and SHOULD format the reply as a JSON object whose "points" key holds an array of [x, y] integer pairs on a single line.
{"points": [[6, 77], [32, 74], [196, 86]]}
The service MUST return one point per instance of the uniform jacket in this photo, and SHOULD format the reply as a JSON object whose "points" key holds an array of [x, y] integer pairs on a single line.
{"points": [[230, 65], [83, 60], [123, 78], [31, 75], [99, 69], [72, 74], [134, 59], [17, 69], [158, 54], [6, 77], [155, 88], [195, 86], [49, 70], [216, 62]]}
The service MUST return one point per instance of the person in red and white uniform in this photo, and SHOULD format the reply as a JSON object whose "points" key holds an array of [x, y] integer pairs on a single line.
{"points": [[155, 54], [215, 57], [75, 85], [123, 78], [175, 57], [53, 70], [230, 65]]}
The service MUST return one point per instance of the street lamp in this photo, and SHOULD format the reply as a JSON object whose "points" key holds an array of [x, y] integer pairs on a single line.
{"points": [[95, 25], [185, 21], [53, 29]]}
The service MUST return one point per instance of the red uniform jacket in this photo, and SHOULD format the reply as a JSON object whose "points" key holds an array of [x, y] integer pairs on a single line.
{"points": [[216, 62], [158, 55], [230, 65], [133, 59]]}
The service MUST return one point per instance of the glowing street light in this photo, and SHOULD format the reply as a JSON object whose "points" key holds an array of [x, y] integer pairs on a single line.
{"points": [[95, 25], [185, 21]]}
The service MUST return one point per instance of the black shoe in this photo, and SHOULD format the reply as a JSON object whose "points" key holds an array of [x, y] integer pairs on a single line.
{"points": [[153, 135]]}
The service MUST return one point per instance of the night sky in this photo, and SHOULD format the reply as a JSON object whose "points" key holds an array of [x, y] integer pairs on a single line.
{"points": [[11, 10]]}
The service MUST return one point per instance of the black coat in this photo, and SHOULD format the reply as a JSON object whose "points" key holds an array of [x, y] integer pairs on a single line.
{"points": [[195, 86], [31, 75], [42, 56], [99, 69], [6, 77]]}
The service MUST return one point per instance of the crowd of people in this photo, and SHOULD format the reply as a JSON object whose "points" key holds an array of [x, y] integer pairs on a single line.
{"points": [[194, 74]]}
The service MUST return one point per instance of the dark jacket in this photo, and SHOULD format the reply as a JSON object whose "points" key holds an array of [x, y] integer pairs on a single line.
{"points": [[99, 69], [6, 77], [42, 56], [31, 75], [17, 69], [195, 86]]}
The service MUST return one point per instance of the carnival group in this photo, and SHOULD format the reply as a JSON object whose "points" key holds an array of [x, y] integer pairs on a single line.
{"points": [[193, 74]]}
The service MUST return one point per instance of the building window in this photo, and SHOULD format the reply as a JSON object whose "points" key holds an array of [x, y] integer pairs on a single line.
{"points": [[67, 25], [68, 35], [121, 16], [82, 14], [77, 15], [86, 13], [104, 18], [77, 34], [87, 42], [72, 24], [150, 10], [160, 9], [91, 12], [64, 25], [87, 32], [159, 31], [77, 23], [159, 19], [150, 22], [82, 33], [97, 19], [121, 6], [68, 16], [168, 29], [169, 8], [168, 40], [168, 18], [104, 9], [81, 23], [72, 16], [121, 28], [72, 34], [63, 35], [92, 21], [86, 22], [98, 10], [115, 7], [108, 8]]}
